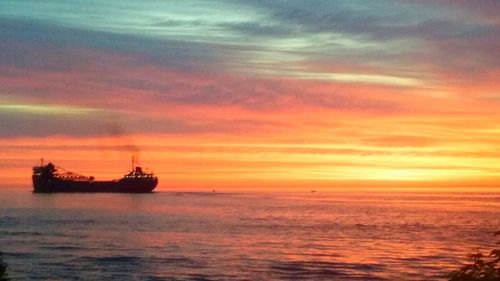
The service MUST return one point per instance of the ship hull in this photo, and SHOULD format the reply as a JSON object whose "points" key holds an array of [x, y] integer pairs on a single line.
{"points": [[132, 185]]}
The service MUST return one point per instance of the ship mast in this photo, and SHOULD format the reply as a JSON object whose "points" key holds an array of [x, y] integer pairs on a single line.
{"points": [[133, 166]]}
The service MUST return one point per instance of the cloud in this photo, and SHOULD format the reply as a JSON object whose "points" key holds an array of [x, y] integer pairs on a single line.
{"points": [[66, 70], [21, 123], [377, 58], [44, 45], [424, 39], [402, 141], [41, 121]]}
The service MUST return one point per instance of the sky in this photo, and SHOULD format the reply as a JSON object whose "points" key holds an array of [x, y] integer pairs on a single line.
{"points": [[256, 95]]}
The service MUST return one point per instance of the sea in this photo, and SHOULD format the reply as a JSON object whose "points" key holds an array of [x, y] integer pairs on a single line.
{"points": [[244, 236]]}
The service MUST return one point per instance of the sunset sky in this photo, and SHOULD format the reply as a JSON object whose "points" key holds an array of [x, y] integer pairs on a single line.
{"points": [[257, 94]]}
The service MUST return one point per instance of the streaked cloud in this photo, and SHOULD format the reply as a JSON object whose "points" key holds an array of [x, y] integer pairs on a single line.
{"points": [[46, 109]]}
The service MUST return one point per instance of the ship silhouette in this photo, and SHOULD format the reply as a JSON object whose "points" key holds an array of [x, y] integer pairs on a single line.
{"points": [[49, 178]]}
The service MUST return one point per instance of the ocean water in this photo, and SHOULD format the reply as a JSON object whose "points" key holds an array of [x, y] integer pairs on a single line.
{"points": [[243, 236]]}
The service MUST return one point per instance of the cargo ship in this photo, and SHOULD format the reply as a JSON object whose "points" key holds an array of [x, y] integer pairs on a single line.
{"points": [[49, 178]]}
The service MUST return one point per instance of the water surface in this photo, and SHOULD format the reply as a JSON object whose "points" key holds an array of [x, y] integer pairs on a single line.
{"points": [[242, 236]]}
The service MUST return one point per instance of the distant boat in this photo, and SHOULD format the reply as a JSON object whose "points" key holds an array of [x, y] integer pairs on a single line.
{"points": [[50, 178]]}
